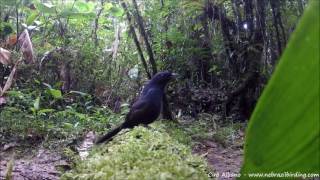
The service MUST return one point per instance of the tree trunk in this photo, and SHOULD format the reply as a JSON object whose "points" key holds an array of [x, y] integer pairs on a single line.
{"points": [[135, 39], [248, 11], [166, 112], [96, 24], [275, 24], [145, 37], [300, 7], [247, 89], [237, 14], [214, 12]]}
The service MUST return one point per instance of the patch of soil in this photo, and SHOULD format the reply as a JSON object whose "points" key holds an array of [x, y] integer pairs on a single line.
{"points": [[39, 163], [43, 165], [226, 161], [86, 145]]}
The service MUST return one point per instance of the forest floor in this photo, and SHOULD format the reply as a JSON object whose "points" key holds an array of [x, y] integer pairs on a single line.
{"points": [[41, 163], [226, 161]]}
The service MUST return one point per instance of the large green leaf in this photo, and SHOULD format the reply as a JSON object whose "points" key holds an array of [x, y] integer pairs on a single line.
{"points": [[46, 8], [116, 11], [56, 93], [36, 104], [78, 10], [107, 6], [32, 17], [82, 6], [284, 134], [71, 13]]}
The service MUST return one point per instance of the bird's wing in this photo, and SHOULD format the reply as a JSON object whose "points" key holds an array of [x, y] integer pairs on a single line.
{"points": [[139, 110], [140, 104]]}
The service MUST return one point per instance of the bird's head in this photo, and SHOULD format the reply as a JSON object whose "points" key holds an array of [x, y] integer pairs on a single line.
{"points": [[162, 78]]}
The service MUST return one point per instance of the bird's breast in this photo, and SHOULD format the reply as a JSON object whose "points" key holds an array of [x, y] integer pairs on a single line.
{"points": [[154, 99]]}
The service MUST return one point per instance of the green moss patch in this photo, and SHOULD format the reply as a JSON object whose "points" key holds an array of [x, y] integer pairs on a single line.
{"points": [[141, 153]]}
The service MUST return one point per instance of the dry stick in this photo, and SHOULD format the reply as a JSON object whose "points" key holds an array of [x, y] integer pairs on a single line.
{"points": [[17, 24], [116, 42]]}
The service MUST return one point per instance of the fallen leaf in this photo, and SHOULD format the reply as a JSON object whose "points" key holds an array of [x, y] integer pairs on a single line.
{"points": [[9, 146], [26, 46], [2, 100], [11, 40], [10, 79], [5, 56]]}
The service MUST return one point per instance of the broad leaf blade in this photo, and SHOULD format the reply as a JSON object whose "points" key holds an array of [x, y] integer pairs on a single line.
{"points": [[46, 8], [283, 133], [56, 93], [32, 17]]}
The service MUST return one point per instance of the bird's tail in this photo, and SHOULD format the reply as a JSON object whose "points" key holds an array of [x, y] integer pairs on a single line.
{"points": [[109, 135]]}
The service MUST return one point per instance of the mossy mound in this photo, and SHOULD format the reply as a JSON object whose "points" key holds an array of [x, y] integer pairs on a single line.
{"points": [[141, 153]]}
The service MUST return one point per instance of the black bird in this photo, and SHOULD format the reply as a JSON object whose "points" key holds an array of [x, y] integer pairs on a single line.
{"points": [[147, 108]]}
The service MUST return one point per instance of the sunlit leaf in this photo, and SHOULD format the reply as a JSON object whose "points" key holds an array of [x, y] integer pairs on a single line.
{"points": [[44, 111], [32, 17], [73, 13], [36, 104], [18, 94], [67, 125], [84, 6], [46, 8], [78, 92], [107, 6], [79, 10], [47, 85], [117, 12], [56, 93], [284, 132]]}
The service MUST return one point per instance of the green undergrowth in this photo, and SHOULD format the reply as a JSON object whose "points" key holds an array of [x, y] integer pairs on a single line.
{"points": [[143, 153], [161, 151], [211, 127], [54, 128]]}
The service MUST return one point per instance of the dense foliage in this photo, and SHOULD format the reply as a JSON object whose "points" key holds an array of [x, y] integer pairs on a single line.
{"points": [[223, 50]]}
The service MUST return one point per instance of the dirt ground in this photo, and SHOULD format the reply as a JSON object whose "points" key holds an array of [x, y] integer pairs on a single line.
{"points": [[42, 165], [226, 161]]}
